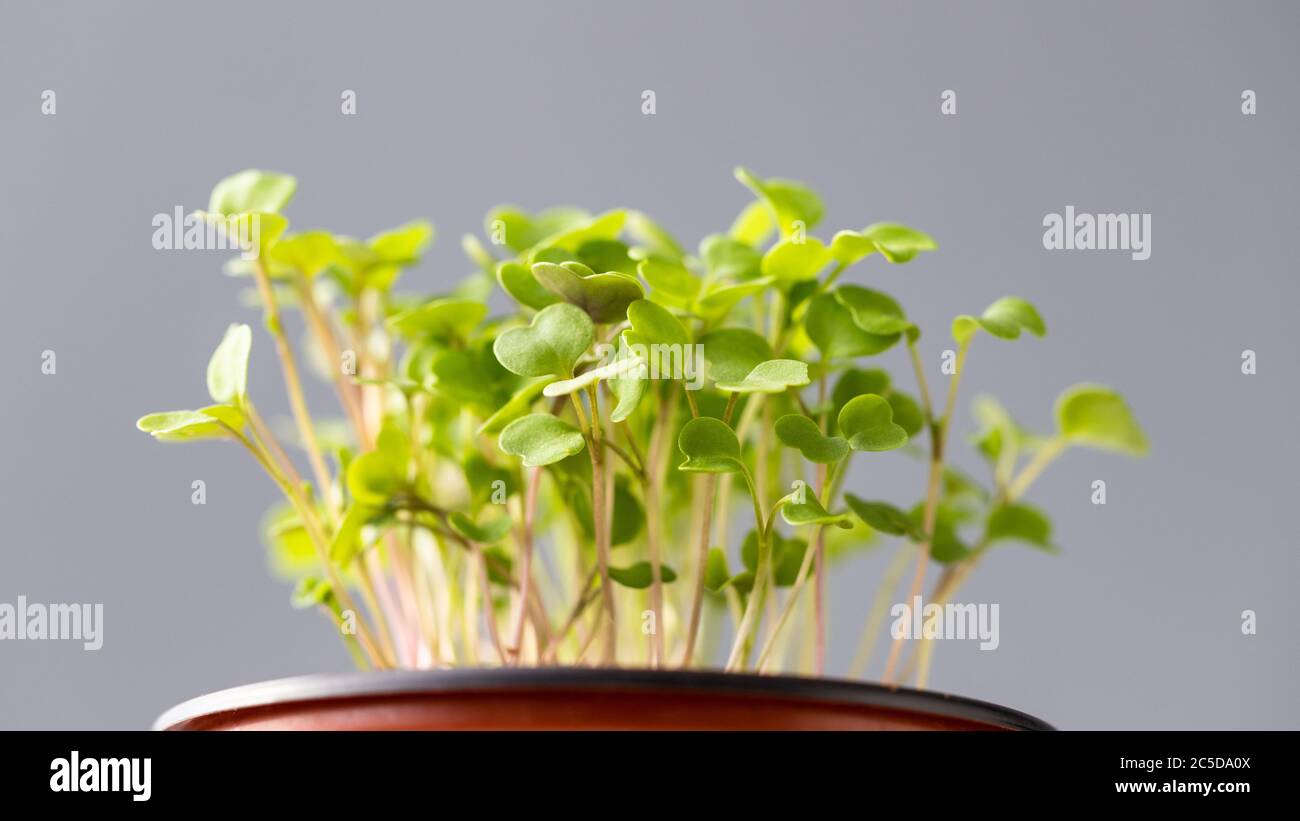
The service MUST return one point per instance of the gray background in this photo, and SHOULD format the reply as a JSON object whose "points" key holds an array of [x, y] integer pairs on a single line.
{"points": [[1107, 106]]}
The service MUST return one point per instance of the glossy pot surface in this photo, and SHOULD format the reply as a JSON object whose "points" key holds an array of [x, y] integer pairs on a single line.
{"points": [[582, 699]]}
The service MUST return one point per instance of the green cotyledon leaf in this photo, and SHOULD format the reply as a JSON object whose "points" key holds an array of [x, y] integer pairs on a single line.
{"points": [[710, 446], [604, 296], [549, 345], [541, 439], [1098, 417], [867, 422]]}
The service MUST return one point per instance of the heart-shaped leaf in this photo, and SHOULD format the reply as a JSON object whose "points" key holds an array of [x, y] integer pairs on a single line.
{"points": [[868, 423], [641, 575], [395, 249], [790, 202], [541, 439], [772, 376], [440, 319], [710, 446], [652, 237], [549, 346], [731, 353], [403, 245], [908, 414], [231, 416], [1021, 523], [788, 261], [1005, 319], [726, 258], [520, 231], [873, 311], [607, 255], [832, 329], [1098, 417], [604, 297], [847, 247], [671, 283], [256, 234], [896, 243], [657, 337], [885, 517], [754, 224], [523, 287], [801, 433], [718, 299], [811, 512], [310, 252], [651, 324], [182, 426], [252, 191], [228, 367], [602, 226], [486, 533], [856, 382]]}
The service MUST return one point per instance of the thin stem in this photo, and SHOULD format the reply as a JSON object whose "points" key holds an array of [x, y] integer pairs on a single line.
{"points": [[819, 544], [654, 535], [637, 470], [325, 337], [954, 577], [800, 579], [292, 382], [365, 581], [599, 521], [702, 563], [318, 540], [922, 383], [690, 400], [631, 444], [879, 607], [262, 433], [1035, 467], [526, 561], [585, 597], [489, 613], [754, 606], [938, 431]]}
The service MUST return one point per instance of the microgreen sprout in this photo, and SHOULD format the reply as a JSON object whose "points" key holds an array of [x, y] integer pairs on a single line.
{"points": [[555, 485]]}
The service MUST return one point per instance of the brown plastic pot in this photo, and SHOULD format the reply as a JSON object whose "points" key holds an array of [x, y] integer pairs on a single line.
{"points": [[582, 699]]}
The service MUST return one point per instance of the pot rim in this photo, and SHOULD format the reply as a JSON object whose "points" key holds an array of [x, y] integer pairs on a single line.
{"points": [[360, 685]]}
